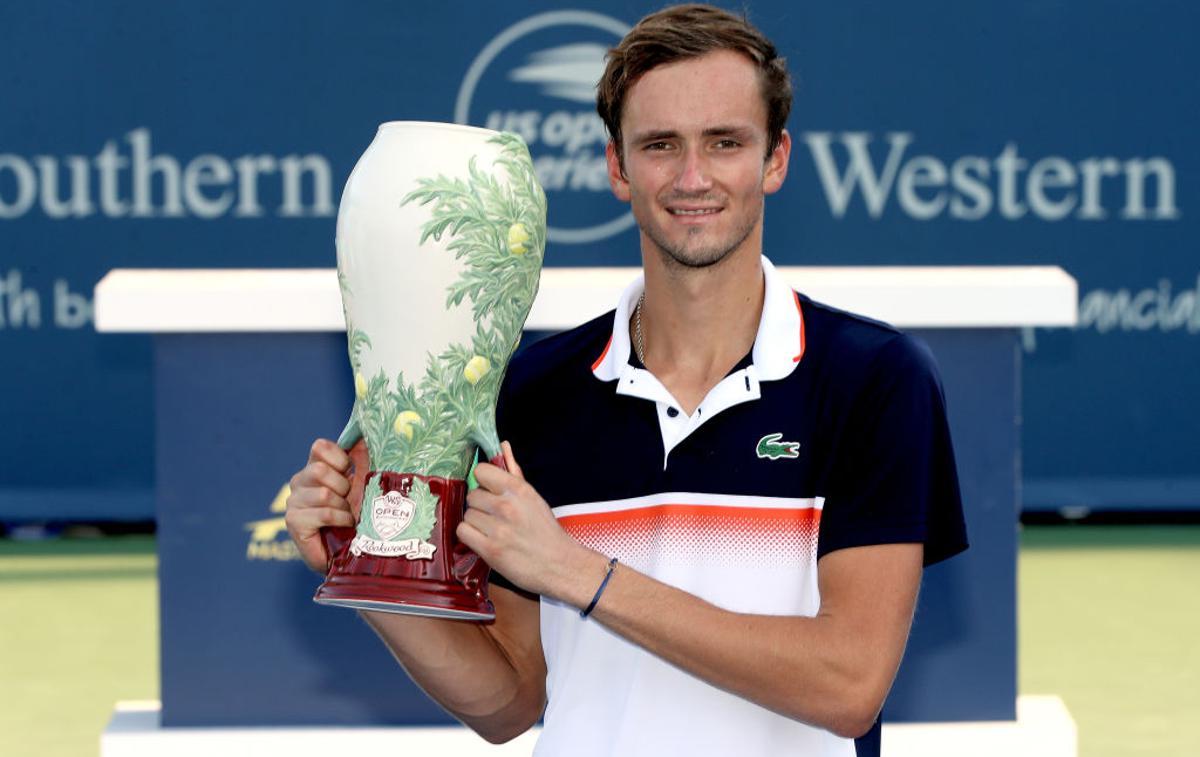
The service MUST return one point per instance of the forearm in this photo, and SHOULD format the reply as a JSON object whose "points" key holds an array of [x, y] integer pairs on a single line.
{"points": [[466, 669], [832, 670], [794, 666]]}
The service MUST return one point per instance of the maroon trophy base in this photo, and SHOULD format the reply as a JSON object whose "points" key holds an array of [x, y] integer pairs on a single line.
{"points": [[452, 583]]}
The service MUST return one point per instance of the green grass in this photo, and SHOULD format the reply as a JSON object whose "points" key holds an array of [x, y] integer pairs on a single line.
{"points": [[78, 631], [1109, 620]]}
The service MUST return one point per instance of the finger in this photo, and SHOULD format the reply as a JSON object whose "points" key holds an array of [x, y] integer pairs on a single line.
{"points": [[510, 461], [310, 497], [305, 526], [482, 522], [493, 478], [319, 474], [482, 500], [329, 453], [472, 537], [307, 522]]}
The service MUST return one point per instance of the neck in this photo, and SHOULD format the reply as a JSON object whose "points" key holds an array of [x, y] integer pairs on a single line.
{"points": [[699, 322]]}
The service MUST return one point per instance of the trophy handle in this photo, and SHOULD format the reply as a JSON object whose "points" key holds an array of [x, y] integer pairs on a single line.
{"points": [[336, 538]]}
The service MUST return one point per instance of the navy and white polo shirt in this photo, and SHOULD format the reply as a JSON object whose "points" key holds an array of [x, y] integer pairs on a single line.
{"points": [[831, 433]]}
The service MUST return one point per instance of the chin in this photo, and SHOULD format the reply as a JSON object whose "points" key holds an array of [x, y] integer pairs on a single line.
{"points": [[694, 258], [696, 255]]}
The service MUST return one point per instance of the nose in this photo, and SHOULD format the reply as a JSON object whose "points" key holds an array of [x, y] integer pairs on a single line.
{"points": [[693, 176]]}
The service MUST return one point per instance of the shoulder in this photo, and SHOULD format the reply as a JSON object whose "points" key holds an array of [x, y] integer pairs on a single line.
{"points": [[561, 360], [547, 383], [854, 345], [892, 476]]}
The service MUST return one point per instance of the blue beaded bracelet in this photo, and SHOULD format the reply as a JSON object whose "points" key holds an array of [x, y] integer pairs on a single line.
{"points": [[611, 564]]}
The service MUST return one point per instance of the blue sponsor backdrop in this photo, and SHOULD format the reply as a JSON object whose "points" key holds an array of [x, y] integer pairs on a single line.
{"points": [[151, 134]]}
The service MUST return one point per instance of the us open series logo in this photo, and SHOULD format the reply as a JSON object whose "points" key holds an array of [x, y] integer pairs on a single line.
{"points": [[537, 78]]}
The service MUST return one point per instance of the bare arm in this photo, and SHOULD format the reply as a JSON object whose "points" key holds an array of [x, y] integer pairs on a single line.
{"points": [[832, 670], [489, 676], [492, 677]]}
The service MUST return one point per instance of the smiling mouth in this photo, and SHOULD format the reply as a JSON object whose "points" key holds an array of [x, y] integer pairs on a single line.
{"points": [[693, 212]]}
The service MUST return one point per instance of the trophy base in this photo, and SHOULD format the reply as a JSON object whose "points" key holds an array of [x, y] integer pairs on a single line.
{"points": [[441, 579], [432, 599]]}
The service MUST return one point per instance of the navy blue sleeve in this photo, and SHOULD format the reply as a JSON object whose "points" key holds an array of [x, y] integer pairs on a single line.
{"points": [[894, 479]]}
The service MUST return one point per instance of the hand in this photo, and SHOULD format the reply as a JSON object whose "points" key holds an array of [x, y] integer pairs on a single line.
{"points": [[510, 526], [321, 494]]}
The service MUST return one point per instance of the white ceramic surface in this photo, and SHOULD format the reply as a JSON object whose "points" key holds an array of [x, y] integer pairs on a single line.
{"points": [[440, 236]]}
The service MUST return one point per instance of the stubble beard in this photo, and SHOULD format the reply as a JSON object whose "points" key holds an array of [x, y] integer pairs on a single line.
{"points": [[681, 255]]}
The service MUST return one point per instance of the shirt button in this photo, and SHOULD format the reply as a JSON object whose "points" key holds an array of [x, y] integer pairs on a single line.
{"points": [[672, 412]]}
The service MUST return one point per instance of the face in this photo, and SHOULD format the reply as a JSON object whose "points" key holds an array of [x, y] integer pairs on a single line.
{"points": [[695, 136]]}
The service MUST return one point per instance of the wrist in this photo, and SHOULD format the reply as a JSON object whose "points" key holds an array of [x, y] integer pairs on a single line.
{"points": [[612, 565], [581, 576]]}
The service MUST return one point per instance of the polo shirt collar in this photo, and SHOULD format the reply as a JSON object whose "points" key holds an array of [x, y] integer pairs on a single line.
{"points": [[778, 345]]}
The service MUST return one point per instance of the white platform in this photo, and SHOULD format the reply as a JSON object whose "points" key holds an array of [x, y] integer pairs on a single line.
{"points": [[255, 300], [1043, 728]]}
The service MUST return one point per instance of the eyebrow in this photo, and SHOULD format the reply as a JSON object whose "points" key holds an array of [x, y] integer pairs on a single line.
{"points": [[714, 131]]}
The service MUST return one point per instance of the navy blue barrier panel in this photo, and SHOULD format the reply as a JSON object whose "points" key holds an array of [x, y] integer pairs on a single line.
{"points": [[219, 135], [961, 660], [243, 644]]}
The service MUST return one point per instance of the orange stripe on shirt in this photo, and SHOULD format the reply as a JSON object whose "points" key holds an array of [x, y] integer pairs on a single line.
{"points": [[800, 311], [711, 535], [600, 359], [805, 515]]}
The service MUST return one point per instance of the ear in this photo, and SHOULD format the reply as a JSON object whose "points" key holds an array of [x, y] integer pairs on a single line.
{"points": [[777, 164], [616, 177]]}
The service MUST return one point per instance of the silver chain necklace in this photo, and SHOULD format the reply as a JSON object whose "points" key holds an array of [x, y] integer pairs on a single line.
{"points": [[639, 341]]}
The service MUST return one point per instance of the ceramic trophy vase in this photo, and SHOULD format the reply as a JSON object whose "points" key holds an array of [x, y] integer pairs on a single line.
{"points": [[440, 236]]}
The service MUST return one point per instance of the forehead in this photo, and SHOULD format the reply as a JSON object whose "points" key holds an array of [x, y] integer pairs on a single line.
{"points": [[718, 88]]}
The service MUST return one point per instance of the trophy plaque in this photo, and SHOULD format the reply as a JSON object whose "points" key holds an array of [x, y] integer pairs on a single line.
{"points": [[440, 236]]}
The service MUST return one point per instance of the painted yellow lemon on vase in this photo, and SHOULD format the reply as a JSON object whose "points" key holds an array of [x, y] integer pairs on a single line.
{"points": [[476, 368], [403, 425], [518, 239]]}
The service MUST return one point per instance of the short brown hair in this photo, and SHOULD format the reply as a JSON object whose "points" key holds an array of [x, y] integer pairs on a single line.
{"points": [[689, 31]]}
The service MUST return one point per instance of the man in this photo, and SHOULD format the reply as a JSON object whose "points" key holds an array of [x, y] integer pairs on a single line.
{"points": [[737, 486]]}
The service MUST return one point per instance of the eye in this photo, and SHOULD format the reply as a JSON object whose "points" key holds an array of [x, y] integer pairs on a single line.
{"points": [[728, 144], [657, 146]]}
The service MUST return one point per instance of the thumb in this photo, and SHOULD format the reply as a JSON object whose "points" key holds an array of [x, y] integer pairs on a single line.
{"points": [[510, 462], [361, 460]]}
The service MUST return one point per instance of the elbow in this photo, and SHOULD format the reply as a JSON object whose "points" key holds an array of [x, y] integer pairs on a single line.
{"points": [[856, 713], [498, 731], [501, 736], [852, 724], [854, 697], [508, 723], [847, 707]]}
